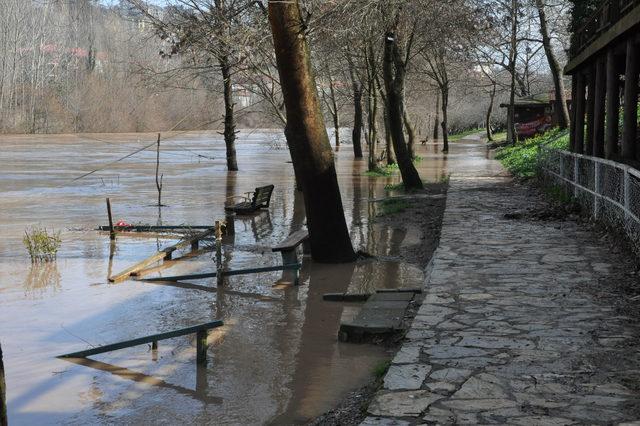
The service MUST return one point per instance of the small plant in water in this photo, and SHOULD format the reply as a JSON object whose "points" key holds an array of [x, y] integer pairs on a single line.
{"points": [[41, 244], [381, 369]]}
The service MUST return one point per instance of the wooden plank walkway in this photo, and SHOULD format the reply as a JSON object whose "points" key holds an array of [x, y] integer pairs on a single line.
{"points": [[151, 228], [164, 254]]}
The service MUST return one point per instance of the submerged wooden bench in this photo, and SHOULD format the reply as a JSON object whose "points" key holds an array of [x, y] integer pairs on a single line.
{"points": [[201, 338], [259, 200], [287, 247], [164, 254]]}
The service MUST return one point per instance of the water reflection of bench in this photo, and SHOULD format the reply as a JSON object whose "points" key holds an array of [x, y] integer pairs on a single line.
{"points": [[201, 339], [259, 200]]}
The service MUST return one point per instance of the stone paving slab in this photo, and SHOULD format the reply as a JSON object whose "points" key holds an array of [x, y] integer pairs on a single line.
{"points": [[382, 314], [507, 334]]}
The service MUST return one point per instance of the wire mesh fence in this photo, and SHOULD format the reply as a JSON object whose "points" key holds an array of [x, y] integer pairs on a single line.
{"points": [[610, 191]]}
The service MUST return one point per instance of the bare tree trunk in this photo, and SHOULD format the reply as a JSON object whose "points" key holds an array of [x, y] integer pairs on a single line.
{"points": [[309, 144], [436, 124], [3, 394], [411, 133], [158, 178], [334, 110], [372, 113], [372, 108], [229, 117], [492, 97], [562, 110], [512, 67], [391, 158], [394, 85], [445, 124], [356, 133]]}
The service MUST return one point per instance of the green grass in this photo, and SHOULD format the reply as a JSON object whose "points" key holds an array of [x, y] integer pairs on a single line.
{"points": [[41, 244], [457, 136], [500, 137], [521, 159], [381, 369], [384, 171], [392, 206], [394, 186], [389, 169]]}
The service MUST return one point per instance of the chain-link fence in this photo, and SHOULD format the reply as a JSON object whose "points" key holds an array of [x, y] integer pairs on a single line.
{"points": [[609, 190]]}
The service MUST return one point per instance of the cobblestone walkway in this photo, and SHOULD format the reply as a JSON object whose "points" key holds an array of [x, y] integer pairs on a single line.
{"points": [[507, 333]]}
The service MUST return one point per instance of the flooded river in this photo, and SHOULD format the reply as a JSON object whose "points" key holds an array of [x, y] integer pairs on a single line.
{"points": [[276, 359]]}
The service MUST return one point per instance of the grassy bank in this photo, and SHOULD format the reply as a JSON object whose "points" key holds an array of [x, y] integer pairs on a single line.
{"points": [[457, 136], [521, 159]]}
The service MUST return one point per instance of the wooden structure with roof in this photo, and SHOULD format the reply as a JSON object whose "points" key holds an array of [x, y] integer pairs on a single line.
{"points": [[604, 65]]}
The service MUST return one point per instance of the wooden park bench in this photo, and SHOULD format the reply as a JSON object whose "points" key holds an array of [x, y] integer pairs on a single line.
{"points": [[287, 247], [259, 200]]}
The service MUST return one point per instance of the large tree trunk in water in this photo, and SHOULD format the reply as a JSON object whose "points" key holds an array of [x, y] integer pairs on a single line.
{"points": [[562, 110], [411, 133], [445, 124], [309, 143], [229, 118], [394, 85], [372, 113], [492, 97], [3, 394], [356, 133], [391, 158]]}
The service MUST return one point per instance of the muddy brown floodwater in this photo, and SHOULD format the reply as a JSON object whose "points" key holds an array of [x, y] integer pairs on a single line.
{"points": [[277, 357]]}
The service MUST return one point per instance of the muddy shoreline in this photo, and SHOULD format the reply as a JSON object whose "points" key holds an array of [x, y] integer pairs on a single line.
{"points": [[424, 211]]}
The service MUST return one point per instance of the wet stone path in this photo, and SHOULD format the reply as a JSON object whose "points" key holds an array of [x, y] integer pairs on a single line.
{"points": [[507, 333]]}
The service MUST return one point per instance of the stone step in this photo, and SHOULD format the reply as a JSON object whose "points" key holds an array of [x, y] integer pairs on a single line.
{"points": [[381, 315]]}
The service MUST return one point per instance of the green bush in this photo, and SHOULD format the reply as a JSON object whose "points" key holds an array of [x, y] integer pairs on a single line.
{"points": [[41, 244], [521, 159]]}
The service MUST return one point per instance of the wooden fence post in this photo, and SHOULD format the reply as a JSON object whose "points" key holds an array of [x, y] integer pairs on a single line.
{"points": [[112, 232], [218, 234], [3, 394], [201, 347]]}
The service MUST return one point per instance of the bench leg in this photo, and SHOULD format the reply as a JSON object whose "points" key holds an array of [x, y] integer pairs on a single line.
{"points": [[201, 347], [289, 257], [230, 229], [194, 245], [306, 247]]}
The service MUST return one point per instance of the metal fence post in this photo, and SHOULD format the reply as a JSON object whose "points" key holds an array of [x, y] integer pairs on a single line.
{"points": [[627, 193], [596, 188], [575, 175]]}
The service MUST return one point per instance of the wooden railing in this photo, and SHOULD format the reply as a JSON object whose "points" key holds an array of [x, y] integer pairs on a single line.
{"points": [[607, 15]]}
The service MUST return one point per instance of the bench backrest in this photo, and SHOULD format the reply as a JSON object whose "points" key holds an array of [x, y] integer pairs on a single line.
{"points": [[262, 196]]}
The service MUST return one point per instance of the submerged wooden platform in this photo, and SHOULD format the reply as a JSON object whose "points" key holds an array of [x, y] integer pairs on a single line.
{"points": [[154, 228], [382, 315], [164, 254]]}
